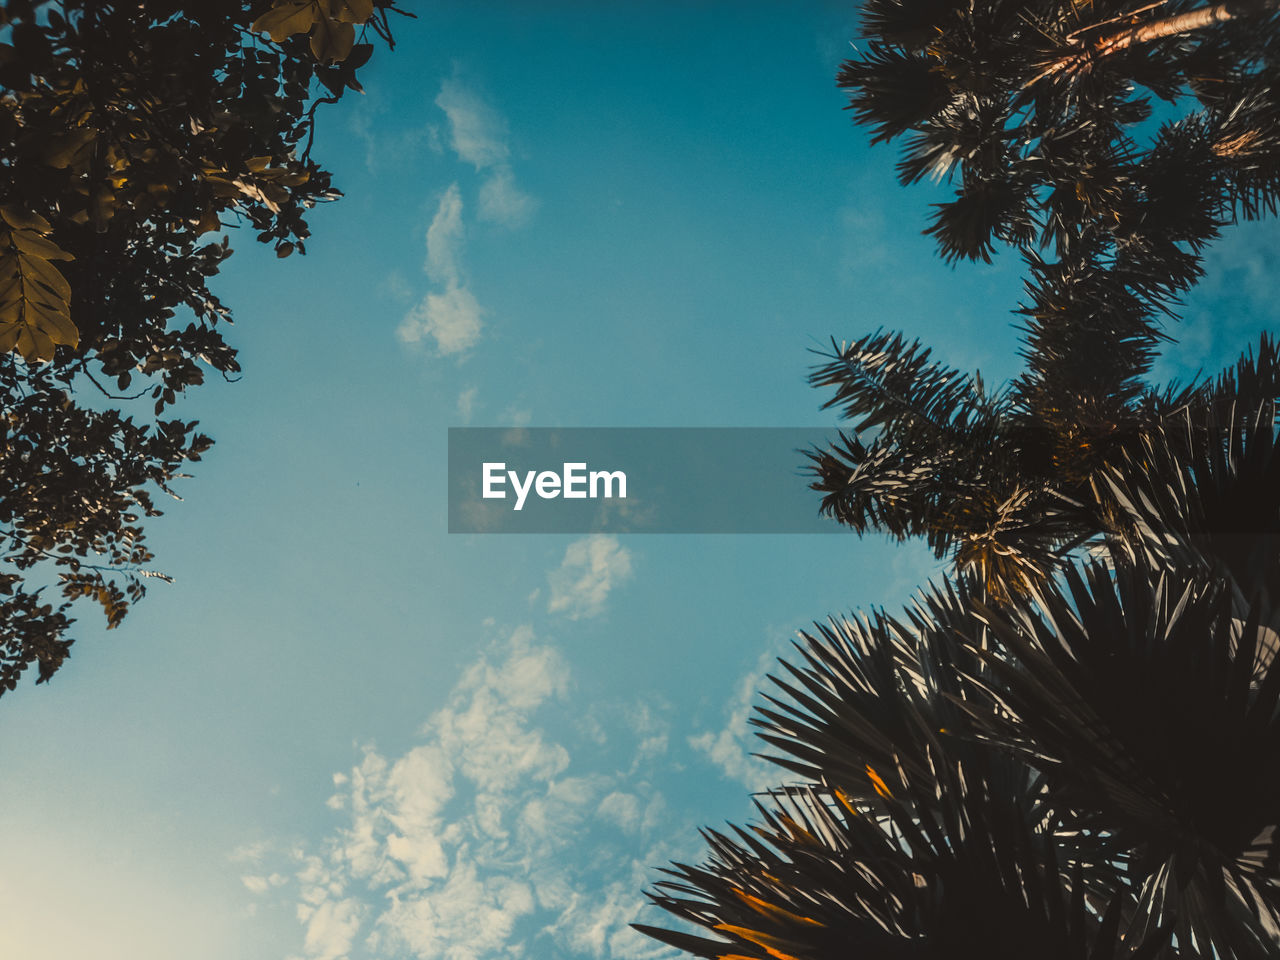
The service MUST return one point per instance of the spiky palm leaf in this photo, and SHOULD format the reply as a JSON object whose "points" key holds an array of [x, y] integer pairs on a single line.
{"points": [[1140, 696], [1022, 768], [1010, 486], [1201, 490], [912, 838], [945, 460], [1043, 114], [1038, 107], [818, 878]]}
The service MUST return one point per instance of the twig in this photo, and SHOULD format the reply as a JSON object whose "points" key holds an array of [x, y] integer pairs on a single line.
{"points": [[84, 368]]}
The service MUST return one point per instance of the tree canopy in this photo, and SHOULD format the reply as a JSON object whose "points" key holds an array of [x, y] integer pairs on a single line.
{"points": [[1051, 754], [1107, 145], [130, 135]]}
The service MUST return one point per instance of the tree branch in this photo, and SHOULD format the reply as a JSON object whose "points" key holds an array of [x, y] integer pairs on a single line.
{"points": [[1145, 33]]}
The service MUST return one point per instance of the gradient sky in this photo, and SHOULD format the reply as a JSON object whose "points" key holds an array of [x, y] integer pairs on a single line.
{"points": [[344, 732]]}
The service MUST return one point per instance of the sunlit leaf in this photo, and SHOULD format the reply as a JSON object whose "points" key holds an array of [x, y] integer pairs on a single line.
{"points": [[287, 18], [332, 40]]}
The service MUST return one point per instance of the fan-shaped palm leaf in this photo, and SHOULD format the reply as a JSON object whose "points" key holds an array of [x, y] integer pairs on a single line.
{"points": [[1138, 695], [912, 838]]}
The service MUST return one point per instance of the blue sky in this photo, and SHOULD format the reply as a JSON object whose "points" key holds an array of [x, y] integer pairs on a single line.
{"points": [[343, 732]]}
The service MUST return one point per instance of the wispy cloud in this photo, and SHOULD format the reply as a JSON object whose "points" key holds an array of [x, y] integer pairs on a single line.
{"points": [[483, 838], [730, 748], [444, 239], [501, 201], [332, 926], [1225, 314], [591, 568], [478, 135], [452, 317]]}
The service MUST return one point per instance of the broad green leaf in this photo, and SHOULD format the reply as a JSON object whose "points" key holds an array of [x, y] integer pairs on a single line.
{"points": [[70, 148], [351, 11], [24, 220], [37, 294], [34, 344], [38, 246], [286, 18], [331, 40], [35, 298], [10, 286], [55, 324], [49, 275], [8, 262]]}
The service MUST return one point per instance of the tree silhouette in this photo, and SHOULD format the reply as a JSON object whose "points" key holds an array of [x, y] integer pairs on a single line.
{"points": [[1048, 754], [1105, 145], [128, 133]]}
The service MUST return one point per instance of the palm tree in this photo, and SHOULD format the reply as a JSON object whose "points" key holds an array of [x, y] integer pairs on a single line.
{"points": [[1094, 773], [983, 476], [1043, 115], [1046, 756], [1087, 768]]}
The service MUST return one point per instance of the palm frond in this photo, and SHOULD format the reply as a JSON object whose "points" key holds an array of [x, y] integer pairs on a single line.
{"points": [[1200, 488], [910, 836], [882, 381], [1141, 697], [933, 442]]}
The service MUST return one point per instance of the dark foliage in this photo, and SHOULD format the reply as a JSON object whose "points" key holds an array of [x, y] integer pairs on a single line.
{"points": [[129, 133], [1046, 757], [1107, 144], [1009, 495], [1086, 767], [1094, 771]]}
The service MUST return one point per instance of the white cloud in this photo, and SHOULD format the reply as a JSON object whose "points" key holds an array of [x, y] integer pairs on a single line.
{"points": [[470, 917], [452, 319], [419, 785], [482, 839], [444, 239], [1228, 310], [260, 885], [730, 747], [597, 924], [477, 133], [501, 201], [256, 884], [624, 809], [591, 568], [332, 928], [450, 314]]}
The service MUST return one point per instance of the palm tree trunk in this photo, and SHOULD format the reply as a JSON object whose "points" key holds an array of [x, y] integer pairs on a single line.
{"points": [[1187, 22]]}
